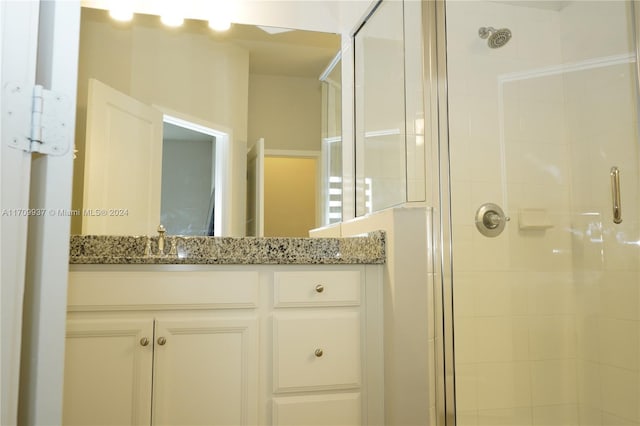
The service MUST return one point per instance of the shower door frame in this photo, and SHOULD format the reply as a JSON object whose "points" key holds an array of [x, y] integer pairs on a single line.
{"points": [[436, 107]]}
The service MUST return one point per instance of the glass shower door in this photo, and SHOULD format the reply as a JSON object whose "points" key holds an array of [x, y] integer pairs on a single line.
{"points": [[542, 101]]}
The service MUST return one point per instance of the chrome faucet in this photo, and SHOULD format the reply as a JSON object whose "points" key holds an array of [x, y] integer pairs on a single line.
{"points": [[161, 232], [162, 240]]}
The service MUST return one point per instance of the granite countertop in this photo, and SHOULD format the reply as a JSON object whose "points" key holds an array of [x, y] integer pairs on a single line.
{"points": [[106, 249]]}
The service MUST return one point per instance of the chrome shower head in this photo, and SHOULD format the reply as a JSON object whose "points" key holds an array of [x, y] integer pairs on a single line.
{"points": [[496, 38]]}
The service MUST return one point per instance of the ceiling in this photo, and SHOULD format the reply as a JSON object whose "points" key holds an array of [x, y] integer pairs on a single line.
{"points": [[291, 53]]}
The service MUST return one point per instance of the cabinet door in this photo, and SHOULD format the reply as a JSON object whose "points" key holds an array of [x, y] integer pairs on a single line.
{"points": [[107, 376], [205, 372]]}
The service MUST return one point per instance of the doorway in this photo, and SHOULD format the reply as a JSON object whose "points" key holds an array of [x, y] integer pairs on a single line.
{"points": [[193, 176], [290, 196]]}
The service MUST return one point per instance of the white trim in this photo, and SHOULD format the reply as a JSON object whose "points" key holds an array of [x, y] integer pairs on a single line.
{"points": [[41, 382], [18, 29], [222, 216], [291, 153], [176, 115], [256, 153], [325, 74], [333, 139], [161, 307], [603, 61], [192, 125], [385, 132]]}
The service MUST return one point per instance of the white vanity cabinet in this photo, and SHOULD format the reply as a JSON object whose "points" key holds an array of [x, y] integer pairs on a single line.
{"points": [[224, 345], [175, 371], [317, 367], [161, 345]]}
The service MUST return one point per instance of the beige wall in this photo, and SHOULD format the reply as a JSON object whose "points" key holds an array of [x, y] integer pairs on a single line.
{"points": [[289, 193], [184, 71], [285, 111]]}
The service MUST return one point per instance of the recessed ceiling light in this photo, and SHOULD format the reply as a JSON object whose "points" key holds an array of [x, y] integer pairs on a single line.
{"points": [[121, 12], [219, 23], [172, 20]]}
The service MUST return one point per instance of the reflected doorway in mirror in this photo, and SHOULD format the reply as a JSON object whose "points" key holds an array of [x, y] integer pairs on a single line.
{"points": [[193, 175]]}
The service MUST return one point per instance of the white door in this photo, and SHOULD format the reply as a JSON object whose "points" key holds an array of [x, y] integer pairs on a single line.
{"points": [[255, 190], [205, 372], [123, 164], [108, 370]]}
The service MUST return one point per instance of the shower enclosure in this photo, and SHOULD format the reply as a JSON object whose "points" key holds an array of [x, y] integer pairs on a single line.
{"points": [[541, 287]]}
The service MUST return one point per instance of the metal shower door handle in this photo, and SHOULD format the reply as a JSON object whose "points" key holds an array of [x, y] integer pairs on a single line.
{"points": [[490, 220], [615, 195]]}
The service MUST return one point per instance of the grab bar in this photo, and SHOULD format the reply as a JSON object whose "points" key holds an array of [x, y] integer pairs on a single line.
{"points": [[615, 195]]}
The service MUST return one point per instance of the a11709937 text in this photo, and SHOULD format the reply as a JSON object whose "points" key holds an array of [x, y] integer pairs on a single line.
{"points": [[18, 212]]}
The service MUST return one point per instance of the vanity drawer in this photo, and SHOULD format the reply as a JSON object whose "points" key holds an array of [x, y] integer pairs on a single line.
{"points": [[342, 409], [316, 351], [132, 288], [316, 288]]}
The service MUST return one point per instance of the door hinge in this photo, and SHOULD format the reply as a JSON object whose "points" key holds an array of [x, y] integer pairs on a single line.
{"points": [[36, 119]]}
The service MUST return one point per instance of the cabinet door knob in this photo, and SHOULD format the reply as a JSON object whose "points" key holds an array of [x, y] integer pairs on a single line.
{"points": [[319, 288], [144, 341], [318, 353], [162, 341]]}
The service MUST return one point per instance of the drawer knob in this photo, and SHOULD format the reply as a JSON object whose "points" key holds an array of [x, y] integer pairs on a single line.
{"points": [[319, 288], [318, 353], [144, 341], [162, 341]]}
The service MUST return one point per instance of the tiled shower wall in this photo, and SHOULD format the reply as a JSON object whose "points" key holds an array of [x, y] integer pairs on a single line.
{"points": [[545, 314]]}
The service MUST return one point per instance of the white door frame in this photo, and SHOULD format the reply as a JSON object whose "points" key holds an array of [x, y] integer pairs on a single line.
{"points": [[42, 47], [222, 178], [255, 158], [19, 28], [48, 245]]}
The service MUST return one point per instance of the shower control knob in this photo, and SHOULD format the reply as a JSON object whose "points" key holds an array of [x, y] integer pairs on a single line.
{"points": [[490, 220]]}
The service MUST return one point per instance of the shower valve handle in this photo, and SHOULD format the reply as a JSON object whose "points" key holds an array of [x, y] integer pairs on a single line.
{"points": [[490, 220]]}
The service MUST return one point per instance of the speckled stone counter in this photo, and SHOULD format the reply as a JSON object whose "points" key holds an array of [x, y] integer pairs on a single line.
{"points": [[104, 249]]}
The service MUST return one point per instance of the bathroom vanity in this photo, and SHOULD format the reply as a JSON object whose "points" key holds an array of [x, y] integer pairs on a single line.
{"points": [[225, 331]]}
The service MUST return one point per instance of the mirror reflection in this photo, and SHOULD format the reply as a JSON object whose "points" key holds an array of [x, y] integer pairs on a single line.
{"points": [[188, 181], [246, 84]]}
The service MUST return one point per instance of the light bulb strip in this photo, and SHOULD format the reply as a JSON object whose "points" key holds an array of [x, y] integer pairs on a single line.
{"points": [[123, 12]]}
